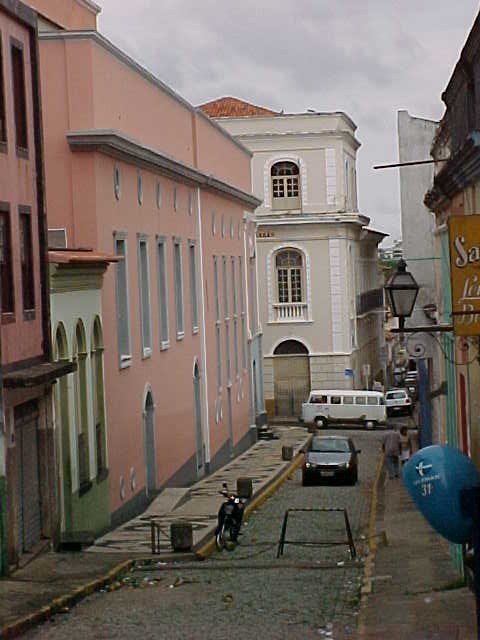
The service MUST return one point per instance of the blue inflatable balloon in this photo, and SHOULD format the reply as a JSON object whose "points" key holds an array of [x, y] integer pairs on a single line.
{"points": [[435, 478]]}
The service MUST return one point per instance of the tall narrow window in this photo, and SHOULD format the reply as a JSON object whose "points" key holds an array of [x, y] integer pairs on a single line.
{"points": [[242, 284], [193, 285], [26, 258], [98, 400], [215, 288], [6, 272], [81, 406], [242, 307], [178, 275], [162, 292], [225, 288], [123, 318], [289, 276], [235, 317], [19, 96], [144, 290], [218, 338], [3, 120], [227, 352]]}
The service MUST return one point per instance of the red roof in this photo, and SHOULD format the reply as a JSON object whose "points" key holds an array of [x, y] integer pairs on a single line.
{"points": [[234, 108]]}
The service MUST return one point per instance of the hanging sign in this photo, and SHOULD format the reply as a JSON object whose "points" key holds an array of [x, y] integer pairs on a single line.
{"points": [[436, 478], [464, 238]]}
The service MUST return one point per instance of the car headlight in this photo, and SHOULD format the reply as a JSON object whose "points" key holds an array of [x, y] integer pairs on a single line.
{"points": [[308, 465]]}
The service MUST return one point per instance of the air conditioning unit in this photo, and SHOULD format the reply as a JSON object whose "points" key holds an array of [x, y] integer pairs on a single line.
{"points": [[57, 238]]}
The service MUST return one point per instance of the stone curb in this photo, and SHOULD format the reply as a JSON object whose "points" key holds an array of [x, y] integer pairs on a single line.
{"points": [[14, 629], [369, 564], [206, 549]]}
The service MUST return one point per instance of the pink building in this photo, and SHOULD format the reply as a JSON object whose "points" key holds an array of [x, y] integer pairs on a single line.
{"points": [[28, 502], [133, 168]]}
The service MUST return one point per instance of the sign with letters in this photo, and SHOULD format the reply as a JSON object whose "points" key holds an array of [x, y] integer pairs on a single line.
{"points": [[464, 238], [435, 478]]}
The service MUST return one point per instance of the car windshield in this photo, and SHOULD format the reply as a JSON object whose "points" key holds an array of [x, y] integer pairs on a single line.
{"points": [[395, 395], [337, 445]]}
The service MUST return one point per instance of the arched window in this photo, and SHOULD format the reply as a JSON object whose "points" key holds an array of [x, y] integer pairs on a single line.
{"points": [[285, 186], [81, 405], [98, 401], [62, 416], [290, 347], [289, 267]]}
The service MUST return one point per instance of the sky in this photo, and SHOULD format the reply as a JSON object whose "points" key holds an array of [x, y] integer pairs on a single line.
{"points": [[368, 58]]}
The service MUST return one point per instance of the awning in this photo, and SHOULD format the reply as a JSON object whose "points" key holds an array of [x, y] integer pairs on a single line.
{"points": [[37, 374]]}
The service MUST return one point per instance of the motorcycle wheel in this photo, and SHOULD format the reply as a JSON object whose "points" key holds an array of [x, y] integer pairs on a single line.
{"points": [[220, 538]]}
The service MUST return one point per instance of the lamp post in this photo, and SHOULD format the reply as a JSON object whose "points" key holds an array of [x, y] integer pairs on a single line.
{"points": [[402, 290]]}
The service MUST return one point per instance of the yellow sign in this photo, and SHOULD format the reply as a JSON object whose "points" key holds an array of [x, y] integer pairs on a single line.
{"points": [[464, 235]]}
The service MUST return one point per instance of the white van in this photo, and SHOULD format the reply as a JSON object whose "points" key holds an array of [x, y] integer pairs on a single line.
{"points": [[339, 405]]}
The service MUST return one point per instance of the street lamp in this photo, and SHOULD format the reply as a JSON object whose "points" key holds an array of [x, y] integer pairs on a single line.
{"points": [[402, 290]]}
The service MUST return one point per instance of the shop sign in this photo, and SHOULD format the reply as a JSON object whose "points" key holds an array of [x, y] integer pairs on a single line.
{"points": [[464, 238]]}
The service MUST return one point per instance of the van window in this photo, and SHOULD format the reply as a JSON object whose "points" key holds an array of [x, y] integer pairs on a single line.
{"points": [[318, 399], [372, 400], [347, 399], [360, 400], [335, 400]]}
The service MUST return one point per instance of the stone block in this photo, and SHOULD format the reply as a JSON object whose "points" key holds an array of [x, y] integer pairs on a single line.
{"points": [[181, 536]]}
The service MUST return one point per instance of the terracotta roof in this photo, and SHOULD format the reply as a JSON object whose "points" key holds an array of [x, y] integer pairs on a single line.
{"points": [[79, 256], [234, 108]]}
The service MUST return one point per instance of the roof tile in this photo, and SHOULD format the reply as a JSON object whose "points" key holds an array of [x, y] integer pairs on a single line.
{"points": [[229, 107]]}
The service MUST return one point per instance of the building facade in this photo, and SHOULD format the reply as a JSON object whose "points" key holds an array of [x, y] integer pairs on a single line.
{"points": [[28, 490], [76, 280], [134, 170], [319, 285], [454, 198], [415, 139]]}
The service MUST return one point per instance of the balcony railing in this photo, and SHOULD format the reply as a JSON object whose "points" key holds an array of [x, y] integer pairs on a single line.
{"points": [[290, 311]]}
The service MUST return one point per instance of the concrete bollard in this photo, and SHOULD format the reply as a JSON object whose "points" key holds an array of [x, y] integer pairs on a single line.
{"points": [[244, 488], [181, 536], [287, 452]]}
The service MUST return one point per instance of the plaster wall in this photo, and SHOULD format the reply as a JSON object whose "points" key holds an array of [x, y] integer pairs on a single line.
{"points": [[68, 14], [21, 334], [415, 137]]}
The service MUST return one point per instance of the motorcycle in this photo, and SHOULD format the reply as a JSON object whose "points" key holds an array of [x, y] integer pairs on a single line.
{"points": [[230, 517]]}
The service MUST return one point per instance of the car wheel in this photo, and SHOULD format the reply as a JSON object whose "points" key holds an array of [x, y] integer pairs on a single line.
{"points": [[353, 479], [305, 480]]}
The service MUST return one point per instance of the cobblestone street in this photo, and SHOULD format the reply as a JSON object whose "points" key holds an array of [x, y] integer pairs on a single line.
{"points": [[310, 592]]}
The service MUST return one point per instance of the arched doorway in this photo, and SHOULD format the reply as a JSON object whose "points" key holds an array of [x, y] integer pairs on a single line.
{"points": [[62, 417], [291, 372], [198, 421], [98, 401], [149, 435]]}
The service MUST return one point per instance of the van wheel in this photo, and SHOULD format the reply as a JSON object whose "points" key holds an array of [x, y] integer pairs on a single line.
{"points": [[319, 422], [370, 424]]}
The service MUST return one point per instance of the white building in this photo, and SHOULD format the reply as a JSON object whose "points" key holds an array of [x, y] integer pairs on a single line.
{"points": [[320, 291]]}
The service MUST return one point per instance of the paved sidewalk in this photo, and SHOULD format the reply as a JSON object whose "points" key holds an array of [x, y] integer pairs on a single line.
{"points": [[414, 585], [54, 582]]}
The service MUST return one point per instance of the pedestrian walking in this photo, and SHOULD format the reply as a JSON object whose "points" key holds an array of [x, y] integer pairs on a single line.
{"points": [[391, 449], [405, 446]]}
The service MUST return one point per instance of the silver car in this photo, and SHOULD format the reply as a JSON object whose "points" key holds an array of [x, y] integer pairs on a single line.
{"points": [[398, 401]]}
